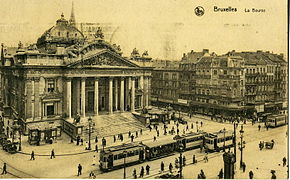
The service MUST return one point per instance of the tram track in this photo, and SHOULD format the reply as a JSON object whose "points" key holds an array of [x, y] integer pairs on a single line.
{"points": [[16, 172]]}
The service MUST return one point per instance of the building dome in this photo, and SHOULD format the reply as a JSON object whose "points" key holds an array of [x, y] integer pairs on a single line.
{"points": [[63, 34]]}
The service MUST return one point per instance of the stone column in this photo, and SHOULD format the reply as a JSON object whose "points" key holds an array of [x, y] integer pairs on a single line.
{"points": [[116, 94], [128, 92], [78, 93], [141, 81], [32, 99], [96, 100], [68, 95], [132, 95], [110, 95], [83, 97], [147, 92], [122, 95]]}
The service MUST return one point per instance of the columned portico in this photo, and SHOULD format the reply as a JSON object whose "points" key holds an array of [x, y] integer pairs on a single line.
{"points": [[83, 97]]}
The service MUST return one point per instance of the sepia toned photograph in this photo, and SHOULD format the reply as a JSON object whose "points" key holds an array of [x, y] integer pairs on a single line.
{"points": [[167, 89]]}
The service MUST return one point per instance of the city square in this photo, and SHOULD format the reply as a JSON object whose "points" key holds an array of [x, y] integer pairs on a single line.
{"points": [[79, 101]]}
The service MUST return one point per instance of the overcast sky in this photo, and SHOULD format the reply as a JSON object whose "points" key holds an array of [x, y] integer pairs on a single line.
{"points": [[166, 28]]}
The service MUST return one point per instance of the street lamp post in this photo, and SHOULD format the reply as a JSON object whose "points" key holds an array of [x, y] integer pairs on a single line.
{"points": [[90, 123], [125, 154], [224, 148], [235, 140], [20, 131], [180, 160], [241, 145]]}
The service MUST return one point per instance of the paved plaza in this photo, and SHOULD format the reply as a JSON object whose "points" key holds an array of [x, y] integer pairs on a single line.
{"points": [[69, 155]]}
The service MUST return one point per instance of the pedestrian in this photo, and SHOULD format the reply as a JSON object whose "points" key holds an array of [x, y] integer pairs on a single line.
{"points": [[193, 159], [170, 168], [141, 131], [186, 127], [92, 175], [201, 147], [52, 155], [154, 138], [96, 148], [184, 161], [251, 174], [4, 169], [78, 140], [284, 161], [267, 127], [104, 142], [135, 173], [176, 163], [273, 174], [150, 128], [157, 133], [221, 174], [94, 160], [142, 172], [87, 146], [121, 137], [244, 166], [177, 124], [136, 134], [79, 169], [147, 169], [82, 141], [191, 125], [201, 123], [32, 156], [259, 126], [177, 131], [162, 166], [205, 158], [71, 140], [202, 175], [129, 134], [132, 138]]}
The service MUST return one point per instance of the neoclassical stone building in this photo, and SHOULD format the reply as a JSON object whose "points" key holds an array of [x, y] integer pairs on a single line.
{"points": [[63, 75]]}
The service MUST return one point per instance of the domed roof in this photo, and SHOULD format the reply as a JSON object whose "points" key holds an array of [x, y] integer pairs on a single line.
{"points": [[62, 33]]}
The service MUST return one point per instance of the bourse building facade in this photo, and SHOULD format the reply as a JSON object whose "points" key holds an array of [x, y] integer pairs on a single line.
{"points": [[63, 76]]}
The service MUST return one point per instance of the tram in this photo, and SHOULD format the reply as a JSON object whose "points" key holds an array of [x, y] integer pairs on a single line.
{"points": [[160, 148], [191, 140], [219, 140], [113, 157], [276, 120]]}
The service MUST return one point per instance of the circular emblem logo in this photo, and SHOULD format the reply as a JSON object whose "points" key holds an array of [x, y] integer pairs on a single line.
{"points": [[199, 11]]}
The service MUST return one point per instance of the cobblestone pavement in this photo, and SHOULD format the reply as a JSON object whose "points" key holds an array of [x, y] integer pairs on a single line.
{"points": [[67, 157]]}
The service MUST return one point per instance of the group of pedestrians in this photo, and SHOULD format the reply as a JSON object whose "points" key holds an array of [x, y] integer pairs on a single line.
{"points": [[142, 172]]}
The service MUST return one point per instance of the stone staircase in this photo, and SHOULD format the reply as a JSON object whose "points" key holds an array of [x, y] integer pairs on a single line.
{"points": [[108, 125]]}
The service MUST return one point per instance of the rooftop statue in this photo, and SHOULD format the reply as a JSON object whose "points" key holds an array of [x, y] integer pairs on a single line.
{"points": [[99, 33]]}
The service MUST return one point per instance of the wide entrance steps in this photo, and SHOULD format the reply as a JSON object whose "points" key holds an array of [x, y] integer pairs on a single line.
{"points": [[108, 125]]}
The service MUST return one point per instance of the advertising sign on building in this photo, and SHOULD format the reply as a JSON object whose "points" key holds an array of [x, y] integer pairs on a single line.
{"points": [[182, 101]]}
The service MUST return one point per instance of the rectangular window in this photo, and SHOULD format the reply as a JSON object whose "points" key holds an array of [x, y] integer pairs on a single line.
{"points": [[50, 109], [50, 85]]}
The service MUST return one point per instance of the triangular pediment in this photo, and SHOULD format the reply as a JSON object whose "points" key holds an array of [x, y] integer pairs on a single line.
{"points": [[103, 58]]}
